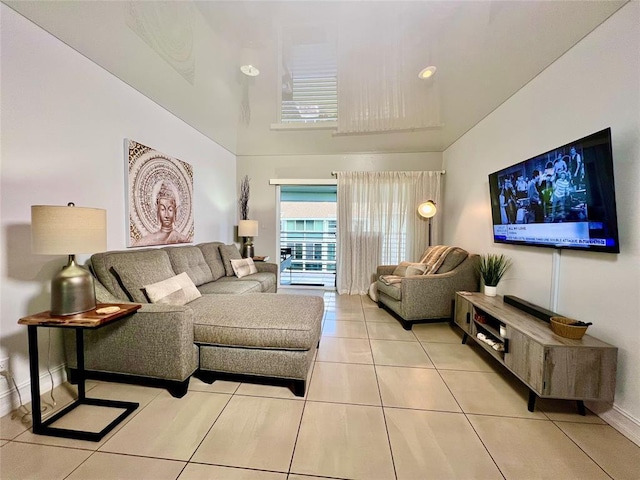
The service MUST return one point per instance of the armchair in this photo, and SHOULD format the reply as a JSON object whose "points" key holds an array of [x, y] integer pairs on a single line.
{"points": [[428, 298]]}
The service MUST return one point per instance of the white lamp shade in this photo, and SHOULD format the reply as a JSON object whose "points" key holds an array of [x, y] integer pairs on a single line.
{"points": [[427, 209], [248, 228], [57, 230]]}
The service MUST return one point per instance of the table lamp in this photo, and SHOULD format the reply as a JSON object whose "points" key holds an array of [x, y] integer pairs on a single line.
{"points": [[428, 210], [248, 229], [59, 230]]}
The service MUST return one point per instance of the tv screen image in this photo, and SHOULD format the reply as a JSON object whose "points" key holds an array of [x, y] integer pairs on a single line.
{"points": [[563, 198]]}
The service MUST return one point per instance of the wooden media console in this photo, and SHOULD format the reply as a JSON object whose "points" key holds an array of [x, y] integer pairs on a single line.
{"points": [[550, 365]]}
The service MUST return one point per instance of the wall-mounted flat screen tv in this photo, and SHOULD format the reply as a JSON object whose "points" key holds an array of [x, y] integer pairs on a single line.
{"points": [[563, 198]]}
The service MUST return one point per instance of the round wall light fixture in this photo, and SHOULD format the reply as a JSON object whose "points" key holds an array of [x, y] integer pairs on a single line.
{"points": [[250, 70], [427, 72]]}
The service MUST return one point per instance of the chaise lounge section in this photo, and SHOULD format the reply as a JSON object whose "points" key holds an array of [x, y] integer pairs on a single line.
{"points": [[237, 326]]}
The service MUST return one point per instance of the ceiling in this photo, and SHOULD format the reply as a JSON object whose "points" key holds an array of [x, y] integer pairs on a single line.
{"points": [[184, 55]]}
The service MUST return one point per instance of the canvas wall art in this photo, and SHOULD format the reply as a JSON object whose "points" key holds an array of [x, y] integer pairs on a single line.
{"points": [[160, 197]]}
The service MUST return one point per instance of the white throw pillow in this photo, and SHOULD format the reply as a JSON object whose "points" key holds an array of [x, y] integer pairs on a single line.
{"points": [[243, 267], [178, 290]]}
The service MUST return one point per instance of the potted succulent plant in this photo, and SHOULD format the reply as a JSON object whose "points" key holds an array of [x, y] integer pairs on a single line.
{"points": [[492, 267]]}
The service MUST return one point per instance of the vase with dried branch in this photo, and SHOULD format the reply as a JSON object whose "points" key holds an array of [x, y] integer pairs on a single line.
{"points": [[244, 198]]}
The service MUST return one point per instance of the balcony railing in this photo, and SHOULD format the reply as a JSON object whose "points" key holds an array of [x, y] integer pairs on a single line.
{"points": [[313, 258]]}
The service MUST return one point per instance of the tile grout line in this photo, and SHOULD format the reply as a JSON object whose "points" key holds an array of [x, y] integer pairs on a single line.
{"points": [[462, 411], [306, 393], [581, 449], [209, 429], [384, 416], [466, 416]]}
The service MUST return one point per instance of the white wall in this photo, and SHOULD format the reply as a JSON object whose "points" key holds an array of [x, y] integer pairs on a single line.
{"points": [[594, 85], [262, 168], [64, 121]]}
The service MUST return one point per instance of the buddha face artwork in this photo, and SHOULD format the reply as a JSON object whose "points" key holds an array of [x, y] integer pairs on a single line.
{"points": [[160, 197]]}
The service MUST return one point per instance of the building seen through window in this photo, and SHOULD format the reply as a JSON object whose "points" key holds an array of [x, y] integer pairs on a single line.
{"points": [[308, 228]]}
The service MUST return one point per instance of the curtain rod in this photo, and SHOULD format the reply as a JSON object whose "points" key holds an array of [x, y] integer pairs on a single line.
{"points": [[441, 172]]}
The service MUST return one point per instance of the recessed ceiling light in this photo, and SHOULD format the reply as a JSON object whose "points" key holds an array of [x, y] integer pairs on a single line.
{"points": [[250, 70], [427, 72]]}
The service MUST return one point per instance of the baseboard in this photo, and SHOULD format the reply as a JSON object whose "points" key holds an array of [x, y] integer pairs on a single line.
{"points": [[618, 419], [9, 400]]}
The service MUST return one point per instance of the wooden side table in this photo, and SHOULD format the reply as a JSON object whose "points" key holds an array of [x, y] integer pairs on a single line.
{"points": [[79, 323]]}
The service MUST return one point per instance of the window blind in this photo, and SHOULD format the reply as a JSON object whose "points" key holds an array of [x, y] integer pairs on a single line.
{"points": [[309, 86]]}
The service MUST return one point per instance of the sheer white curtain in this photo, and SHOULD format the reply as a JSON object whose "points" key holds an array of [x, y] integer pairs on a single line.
{"points": [[378, 85], [378, 223]]}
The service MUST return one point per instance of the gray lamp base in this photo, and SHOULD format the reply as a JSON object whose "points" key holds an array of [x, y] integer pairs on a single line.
{"points": [[72, 290], [247, 250]]}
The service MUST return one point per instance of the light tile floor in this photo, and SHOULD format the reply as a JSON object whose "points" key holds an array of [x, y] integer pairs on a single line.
{"points": [[382, 403]]}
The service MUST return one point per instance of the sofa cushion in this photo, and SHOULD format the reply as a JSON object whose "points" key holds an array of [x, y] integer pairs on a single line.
{"points": [[267, 280], [178, 290], [393, 290], [130, 271], [103, 295], [243, 267], [211, 253], [454, 258], [231, 285], [190, 260], [286, 321], [228, 252]]}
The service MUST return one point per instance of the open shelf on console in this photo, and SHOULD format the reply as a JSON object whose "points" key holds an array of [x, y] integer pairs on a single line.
{"points": [[487, 333]]}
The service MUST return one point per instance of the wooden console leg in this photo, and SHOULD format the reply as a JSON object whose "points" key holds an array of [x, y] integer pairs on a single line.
{"points": [[581, 410], [464, 338], [532, 401]]}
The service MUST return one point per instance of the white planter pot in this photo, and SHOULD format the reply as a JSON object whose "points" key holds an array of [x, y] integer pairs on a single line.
{"points": [[490, 291]]}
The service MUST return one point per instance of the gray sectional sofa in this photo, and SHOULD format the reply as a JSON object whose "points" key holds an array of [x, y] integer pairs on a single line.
{"points": [[238, 326]]}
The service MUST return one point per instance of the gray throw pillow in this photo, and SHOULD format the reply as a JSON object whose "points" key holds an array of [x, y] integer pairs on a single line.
{"points": [[407, 268], [455, 258], [229, 252]]}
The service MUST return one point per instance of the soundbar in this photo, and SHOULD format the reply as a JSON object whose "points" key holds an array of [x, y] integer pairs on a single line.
{"points": [[530, 308]]}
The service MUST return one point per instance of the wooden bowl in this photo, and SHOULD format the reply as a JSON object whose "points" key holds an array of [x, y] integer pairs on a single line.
{"points": [[563, 326]]}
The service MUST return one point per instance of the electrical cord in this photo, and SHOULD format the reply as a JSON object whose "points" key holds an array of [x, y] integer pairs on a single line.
{"points": [[50, 407], [21, 409], [49, 371]]}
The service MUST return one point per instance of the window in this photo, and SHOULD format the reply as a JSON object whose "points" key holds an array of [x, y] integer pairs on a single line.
{"points": [[309, 77]]}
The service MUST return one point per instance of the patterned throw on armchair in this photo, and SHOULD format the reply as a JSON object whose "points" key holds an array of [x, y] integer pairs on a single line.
{"points": [[424, 291]]}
